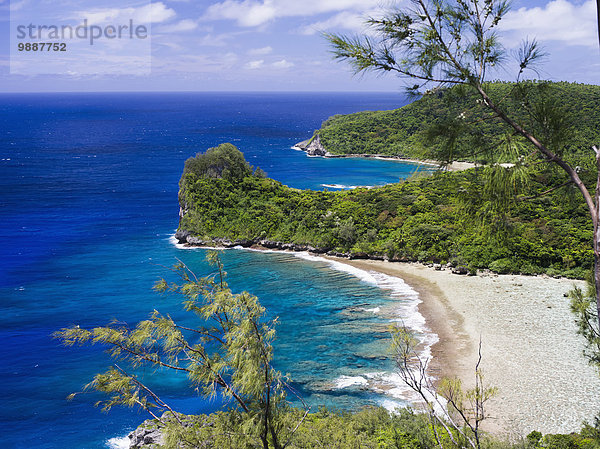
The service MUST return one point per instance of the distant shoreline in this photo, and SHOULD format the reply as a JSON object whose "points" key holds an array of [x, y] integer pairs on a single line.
{"points": [[454, 166]]}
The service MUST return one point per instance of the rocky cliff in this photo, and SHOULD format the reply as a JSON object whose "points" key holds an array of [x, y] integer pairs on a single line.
{"points": [[313, 147]]}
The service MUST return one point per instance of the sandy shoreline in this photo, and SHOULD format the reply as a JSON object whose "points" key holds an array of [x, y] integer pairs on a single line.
{"points": [[454, 166], [531, 351]]}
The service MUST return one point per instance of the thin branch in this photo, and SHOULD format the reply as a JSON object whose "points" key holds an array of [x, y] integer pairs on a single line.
{"points": [[441, 41], [289, 440], [154, 396], [590, 327], [421, 77], [546, 152], [200, 332], [527, 198], [217, 376], [146, 357], [145, 407]]}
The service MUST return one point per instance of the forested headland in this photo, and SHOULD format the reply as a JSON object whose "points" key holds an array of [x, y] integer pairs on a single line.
{"points": [[447, 217], [407, 131]]}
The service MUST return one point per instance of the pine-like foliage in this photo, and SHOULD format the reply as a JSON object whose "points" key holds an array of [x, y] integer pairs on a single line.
{"points": [[229, 351]]}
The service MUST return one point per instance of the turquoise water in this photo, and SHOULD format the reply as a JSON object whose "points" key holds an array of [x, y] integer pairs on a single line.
{"points": [[88, 195]]}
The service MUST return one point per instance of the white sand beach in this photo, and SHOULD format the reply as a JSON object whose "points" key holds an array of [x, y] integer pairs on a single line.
{"points": [[530, 348]]}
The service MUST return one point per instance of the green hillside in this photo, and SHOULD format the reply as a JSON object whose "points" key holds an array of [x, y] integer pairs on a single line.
{"points": [[403, 132], [446, 217]]}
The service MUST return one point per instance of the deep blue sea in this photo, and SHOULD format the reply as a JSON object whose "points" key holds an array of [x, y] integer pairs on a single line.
{"points": [[88, 203]]}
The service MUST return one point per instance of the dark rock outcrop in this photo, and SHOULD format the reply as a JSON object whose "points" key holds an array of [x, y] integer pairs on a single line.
{"points": [[149, 435], [460, 270], [313, 147], [182, 236], [186, 237], [145, 436]]}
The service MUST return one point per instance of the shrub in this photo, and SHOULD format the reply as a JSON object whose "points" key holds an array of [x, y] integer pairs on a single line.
{"points": [[504, 266]]}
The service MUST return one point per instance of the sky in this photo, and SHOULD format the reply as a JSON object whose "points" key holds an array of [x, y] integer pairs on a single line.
{"points": [[253, 45]]}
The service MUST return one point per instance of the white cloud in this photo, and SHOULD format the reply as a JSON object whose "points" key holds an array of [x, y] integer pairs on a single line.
{"points": [[181, 26], [211, 40], [253, 65], [260, 51], [218, 40], [260, 63], [16, 6], [155, 13], [283, 64], [152, 13], [559, 20], [251, 13], [348, 20], [246, 13], [184, 65]]}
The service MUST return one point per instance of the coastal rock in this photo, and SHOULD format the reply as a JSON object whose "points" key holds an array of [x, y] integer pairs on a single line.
{"points": [[460, 270], [437, 267], [313, 147], [185, 237], [245, 243], [149, 434], [144, 436], [301, 146], [359, 255], [224, 242], [269, 244], [195, 241], [338, 254], [182, 235]]}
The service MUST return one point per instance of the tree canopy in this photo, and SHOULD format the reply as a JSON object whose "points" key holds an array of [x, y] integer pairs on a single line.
{"points": [[222, 162]]}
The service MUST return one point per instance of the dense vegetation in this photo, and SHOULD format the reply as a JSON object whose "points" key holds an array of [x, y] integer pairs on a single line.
{"points": [[369, 428], [406, 131], [446, 217]]}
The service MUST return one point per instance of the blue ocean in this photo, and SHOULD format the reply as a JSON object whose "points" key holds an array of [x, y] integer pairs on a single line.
{"points": [[88, 196]]}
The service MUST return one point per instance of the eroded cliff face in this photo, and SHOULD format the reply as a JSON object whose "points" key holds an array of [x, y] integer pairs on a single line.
{"points": [[313, 147], [148, 435]]}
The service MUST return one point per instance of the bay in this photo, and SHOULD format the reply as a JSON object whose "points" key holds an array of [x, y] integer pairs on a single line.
{"points": [[88, 205]]}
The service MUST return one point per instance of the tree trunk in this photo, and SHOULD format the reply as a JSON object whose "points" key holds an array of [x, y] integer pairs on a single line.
{"points": [[265, 441], [597, 275], [598, 13], [596, 222]]}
